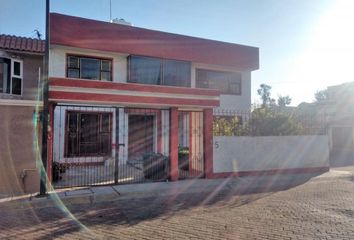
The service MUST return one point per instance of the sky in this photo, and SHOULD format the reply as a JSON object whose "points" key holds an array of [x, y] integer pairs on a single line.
{"points": [[304, 45]]}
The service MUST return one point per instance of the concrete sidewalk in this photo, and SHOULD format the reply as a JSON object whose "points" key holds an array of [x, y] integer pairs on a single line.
{"points": [[97, 194]]}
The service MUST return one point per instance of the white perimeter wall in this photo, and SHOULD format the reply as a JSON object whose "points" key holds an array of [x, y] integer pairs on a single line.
{"points": [[236, 154]]}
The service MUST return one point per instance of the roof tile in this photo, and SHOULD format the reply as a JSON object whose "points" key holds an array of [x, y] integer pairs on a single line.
{"points": [[10, 42]]}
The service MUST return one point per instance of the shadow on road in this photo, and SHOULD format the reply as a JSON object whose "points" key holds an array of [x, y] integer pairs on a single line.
{"points": [[62, 220]]}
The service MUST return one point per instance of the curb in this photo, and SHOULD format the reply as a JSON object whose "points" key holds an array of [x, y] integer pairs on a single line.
{"points": [[94, 195]]}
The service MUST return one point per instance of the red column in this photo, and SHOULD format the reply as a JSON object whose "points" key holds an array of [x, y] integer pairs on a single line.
{"points": [[208, 142], [174, 144], [50, 142]]}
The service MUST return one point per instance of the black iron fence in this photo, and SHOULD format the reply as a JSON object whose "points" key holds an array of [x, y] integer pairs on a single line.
{"points": [[268, 122], [96, 145], [191, 145]]}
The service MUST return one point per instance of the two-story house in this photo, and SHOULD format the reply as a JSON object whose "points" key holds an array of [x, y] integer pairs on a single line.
{"points": [[119, 92], [21, 61]]}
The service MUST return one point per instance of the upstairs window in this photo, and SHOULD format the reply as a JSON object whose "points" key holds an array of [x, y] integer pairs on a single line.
{"points": [[89, 68], [11, 75], [156, 71], [225, 82]]}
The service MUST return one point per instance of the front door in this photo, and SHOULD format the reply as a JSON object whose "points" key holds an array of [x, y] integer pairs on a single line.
{"points": [[140, 135]]}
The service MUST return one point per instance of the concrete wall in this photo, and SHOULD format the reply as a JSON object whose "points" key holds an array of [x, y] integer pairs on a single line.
{"points": [[17, 151], [238, 154]]}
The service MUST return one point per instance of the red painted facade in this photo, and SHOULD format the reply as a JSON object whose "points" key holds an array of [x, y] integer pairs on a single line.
{"points": [[104, 36], [181, 94]]}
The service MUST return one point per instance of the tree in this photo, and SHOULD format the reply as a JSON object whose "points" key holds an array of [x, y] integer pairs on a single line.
{"points": [[321, 95], [264, 92], [284, 100]]}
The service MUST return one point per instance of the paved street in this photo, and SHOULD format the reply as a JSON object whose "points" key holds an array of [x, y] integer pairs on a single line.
{"points": [[320, 208]]}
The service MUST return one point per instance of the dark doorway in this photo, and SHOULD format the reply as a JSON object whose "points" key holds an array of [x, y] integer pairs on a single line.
{"points": [[140, 135]]}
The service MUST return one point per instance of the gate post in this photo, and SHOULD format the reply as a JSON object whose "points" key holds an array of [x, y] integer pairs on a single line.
{"points": [[50, 142], [174, 144], [116, 157], [208, 142]]}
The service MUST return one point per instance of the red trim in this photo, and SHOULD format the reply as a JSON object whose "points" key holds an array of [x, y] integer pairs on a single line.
{"points": [[190, 154], [208, 142], [84, 97], [82, 83], [159, 132], [174, 144], [103, 36], [50, 143], [269, 172]]}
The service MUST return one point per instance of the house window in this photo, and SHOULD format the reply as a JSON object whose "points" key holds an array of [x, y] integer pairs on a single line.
{"points": [[156, 71], [225, 82], [88, 134], [89, 68], [11, 75]]}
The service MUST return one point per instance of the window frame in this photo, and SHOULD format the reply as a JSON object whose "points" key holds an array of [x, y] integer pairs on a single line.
{"points": [[162, 72], [79, 56], [13, 75], [229, 82]]}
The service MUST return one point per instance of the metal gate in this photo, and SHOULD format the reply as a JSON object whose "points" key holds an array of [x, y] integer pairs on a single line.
{"points": [[191, 145], [96, 145]]}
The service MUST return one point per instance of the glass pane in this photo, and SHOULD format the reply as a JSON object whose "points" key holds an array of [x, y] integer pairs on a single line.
{"points": [[89, 127], [145, 70], [106, 76], [17, 68], [90, 68], [73, 73], [106, 65], [235, 87], [4, 75], [201, 79], [225, 82], [176, 73], [16, 86], [72, 135], [73, 62], [106, 117], [105, 143], [89, 133]]}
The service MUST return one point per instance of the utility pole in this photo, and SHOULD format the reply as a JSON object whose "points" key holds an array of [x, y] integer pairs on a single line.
{"points": [[110, 10], [45, 119]]}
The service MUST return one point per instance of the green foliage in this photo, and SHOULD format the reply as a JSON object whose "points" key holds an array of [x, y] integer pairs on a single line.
{"points": [[267, 122], [229, 126], [321, 95], [284, 101], [264, 92]]}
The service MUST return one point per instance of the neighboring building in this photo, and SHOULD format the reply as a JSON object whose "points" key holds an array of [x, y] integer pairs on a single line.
{"points": [[339, 108], [118, 92], [21, 60]]}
